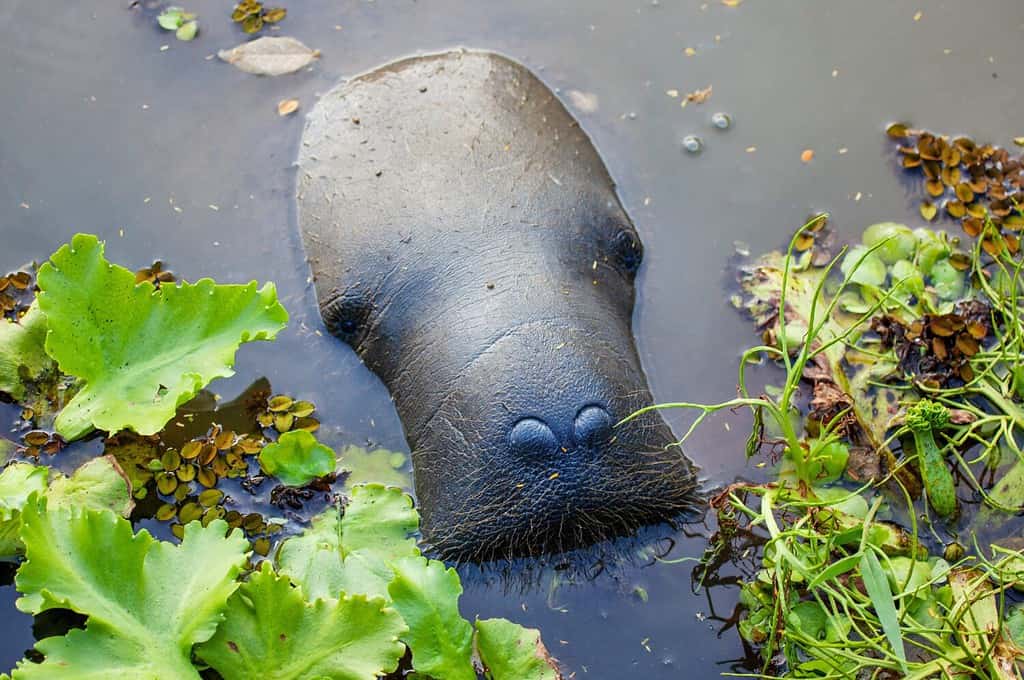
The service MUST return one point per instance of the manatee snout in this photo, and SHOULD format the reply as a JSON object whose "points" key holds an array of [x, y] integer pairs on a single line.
{"points": [[467, 241]]}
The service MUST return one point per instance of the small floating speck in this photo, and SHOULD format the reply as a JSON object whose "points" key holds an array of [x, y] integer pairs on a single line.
{"points": [[693, 144], [720, 120]]}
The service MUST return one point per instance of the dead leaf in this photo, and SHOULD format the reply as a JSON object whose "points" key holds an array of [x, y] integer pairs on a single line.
{"points": [[699, 96], [287, 107], [270, 56]]}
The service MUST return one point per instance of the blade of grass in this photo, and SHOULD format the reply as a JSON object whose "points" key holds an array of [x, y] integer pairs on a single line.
{"points": [[877, 585]]}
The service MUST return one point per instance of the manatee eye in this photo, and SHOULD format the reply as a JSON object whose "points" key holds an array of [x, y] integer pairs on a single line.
{"points": [[628, 250], [346, 317]]}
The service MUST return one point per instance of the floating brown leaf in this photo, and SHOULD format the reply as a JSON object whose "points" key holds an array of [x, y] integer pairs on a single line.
{"points": [[270, 56]]}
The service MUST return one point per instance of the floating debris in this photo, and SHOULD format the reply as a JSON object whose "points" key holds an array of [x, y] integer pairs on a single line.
{"points": [[722, 121], [807, 155], [693, 144], [979, 185], [253, 16], [268, 56], [286, 107], [155, 274]]}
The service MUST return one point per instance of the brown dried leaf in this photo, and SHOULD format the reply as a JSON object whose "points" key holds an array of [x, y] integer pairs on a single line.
{"points": [[270, 56]]}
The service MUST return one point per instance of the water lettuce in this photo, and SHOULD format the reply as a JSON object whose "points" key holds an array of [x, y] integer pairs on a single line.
{"points": [[142, 351], [147, 602], [297, 458]]}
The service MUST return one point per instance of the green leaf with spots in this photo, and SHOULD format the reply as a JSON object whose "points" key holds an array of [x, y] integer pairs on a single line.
{"points": [[511, 652], [23, 358], [142, 351], [297, 458], [271, 631], [427, 596], [147, 602], [352, 552]]}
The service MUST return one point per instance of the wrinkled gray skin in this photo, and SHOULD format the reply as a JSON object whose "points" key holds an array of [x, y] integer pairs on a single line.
{"points": [[467, 242]]}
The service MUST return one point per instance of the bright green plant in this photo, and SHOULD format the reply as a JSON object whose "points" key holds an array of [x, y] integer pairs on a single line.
{"points": [[147, 602], [98, 484], [924, 419], [141, 351], [297, 458], [183, 23], [270, 630], [22, 359]]}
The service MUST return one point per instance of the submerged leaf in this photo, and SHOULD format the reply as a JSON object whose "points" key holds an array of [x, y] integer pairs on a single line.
{"points": [[270, 631], [297, 458], [270, 56], [379, 466], [147, 602], [512, 652], [142, 352]]}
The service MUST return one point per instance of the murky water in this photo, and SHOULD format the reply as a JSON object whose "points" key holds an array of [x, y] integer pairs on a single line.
{"points": [[171, 154]]}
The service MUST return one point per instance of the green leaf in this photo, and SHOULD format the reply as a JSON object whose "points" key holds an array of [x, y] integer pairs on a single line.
{"points": [[187, 31], [297, 458], [171, 18], [23, 358], [18, 481], [427, 596], [512, 652], [270, 631], [147, 602], [877, 585], [99, 484], [142, 351], [351, 553]]}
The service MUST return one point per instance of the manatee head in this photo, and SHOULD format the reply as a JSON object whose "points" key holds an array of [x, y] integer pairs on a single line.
{"points": [[466, 240]]}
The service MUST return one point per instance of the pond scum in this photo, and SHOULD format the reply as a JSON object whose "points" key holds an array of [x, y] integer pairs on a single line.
{"points": [[887, 545], [91, 347]]}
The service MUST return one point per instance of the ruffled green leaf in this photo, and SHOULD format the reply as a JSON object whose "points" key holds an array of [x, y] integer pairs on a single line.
{"points": [[351, 552], [147, 602], [142, 351], [270, 631], [23, 358], [297, 458], [511, 652], [427, 596]]}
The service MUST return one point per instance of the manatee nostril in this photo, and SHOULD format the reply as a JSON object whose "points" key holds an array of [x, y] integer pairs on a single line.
{"points": [[593, 425], [532, 437]]}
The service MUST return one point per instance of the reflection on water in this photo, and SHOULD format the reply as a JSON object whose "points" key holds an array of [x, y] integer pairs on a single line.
{"points": [[169, 154]]}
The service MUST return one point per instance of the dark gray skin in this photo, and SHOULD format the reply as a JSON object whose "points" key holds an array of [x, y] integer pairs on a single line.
{"points": [[466, 240]]}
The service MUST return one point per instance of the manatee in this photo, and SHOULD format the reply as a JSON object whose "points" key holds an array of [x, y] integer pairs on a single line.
{"points": [[466, 240]]}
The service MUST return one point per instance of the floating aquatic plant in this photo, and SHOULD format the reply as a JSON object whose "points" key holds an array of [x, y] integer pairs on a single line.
{"points": [[183, 23], [140, 351]]}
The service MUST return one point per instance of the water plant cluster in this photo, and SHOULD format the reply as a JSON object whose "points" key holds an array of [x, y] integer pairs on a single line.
{"points": [[103, 350], [886, 527]]}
